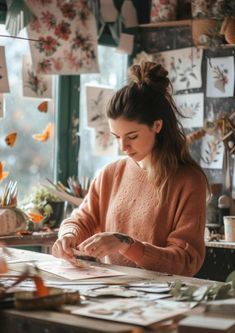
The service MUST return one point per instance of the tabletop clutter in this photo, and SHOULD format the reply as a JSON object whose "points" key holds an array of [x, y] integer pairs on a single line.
{"points": [[141, 298]]}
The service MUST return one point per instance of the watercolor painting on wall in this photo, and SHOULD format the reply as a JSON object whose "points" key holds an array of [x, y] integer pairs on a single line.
{"points": [[35, 85], [192, 107], [4, 84], [64, 37], [212, 152], [183, 66], [220, 77], [97, 98]]}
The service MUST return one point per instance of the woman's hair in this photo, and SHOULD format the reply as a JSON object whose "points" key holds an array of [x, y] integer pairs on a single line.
{"points": [[148, 97]]}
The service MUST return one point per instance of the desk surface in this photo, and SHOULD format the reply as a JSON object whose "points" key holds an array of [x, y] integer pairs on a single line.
{"points": [[41, 238], [12, 320]]}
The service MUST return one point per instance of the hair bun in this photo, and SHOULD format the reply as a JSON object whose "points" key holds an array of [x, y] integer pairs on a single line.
{"points": [[150, 74]]}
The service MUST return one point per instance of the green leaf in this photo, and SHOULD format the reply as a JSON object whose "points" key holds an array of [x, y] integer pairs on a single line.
{"points": [[231, 278]]}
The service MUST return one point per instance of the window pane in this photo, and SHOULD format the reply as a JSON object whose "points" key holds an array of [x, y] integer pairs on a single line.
{"points": [[28, 160], [113, 73]]}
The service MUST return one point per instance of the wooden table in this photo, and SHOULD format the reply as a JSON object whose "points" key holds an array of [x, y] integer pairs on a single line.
{"points": [[42, 238], [16, 321]]}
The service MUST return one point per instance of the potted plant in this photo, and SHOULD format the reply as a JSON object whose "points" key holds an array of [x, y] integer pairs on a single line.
{"points": [[44, 208]]}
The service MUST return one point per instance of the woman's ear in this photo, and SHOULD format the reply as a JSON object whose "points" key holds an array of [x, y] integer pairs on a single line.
{"points": [[157, 125]]}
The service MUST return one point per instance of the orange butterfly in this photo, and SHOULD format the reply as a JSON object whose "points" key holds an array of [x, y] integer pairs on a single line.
{"points": [[3, 174], [43, 107], [10, 139], [35, 217], [45, 135]]}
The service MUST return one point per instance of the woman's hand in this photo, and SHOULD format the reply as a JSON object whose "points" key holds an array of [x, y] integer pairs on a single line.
{"points": [[105, 243], [63, 247]]}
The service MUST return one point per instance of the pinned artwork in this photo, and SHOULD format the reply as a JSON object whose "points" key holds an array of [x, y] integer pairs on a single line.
{"points": [[192, 107], [2, 104], [66, 37], [35, 85], [183, 66], [220, 77], [4, 84], [97, 99], [129, 14], [212, 152], [126, 44]]}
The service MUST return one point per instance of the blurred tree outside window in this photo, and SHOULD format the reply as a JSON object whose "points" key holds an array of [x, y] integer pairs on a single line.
{"points": [[28, 161], [113, 73]]}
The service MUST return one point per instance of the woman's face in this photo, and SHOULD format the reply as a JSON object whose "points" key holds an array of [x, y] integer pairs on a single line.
{"points": [[136, 140]]}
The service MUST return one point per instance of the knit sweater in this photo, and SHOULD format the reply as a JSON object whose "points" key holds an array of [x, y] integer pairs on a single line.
{"points": [[167, 238]]}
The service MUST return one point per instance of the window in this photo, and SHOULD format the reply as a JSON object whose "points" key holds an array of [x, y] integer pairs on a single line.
{"points": [[113, 73], [28, 160]]}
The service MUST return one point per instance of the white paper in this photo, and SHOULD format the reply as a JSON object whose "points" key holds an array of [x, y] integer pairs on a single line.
{"points": [[192, 107], [183, 66], [97, 98], [220, 77], [35, 85], [108, 11], [4, 84], [129, 14], [66, 37], [2, 106], [126, 44], [66, 270], [137, 312], [212, 152]]}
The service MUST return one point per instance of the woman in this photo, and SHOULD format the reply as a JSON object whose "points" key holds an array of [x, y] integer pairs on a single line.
{"points": [[146, 210]]}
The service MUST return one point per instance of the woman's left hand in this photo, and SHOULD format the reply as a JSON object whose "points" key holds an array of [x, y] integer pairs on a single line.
{"points": [[105, 243]]}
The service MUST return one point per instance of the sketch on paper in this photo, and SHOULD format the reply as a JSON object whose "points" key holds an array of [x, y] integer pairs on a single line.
{"points": [[212, 152], [1, 106], [192, 107], [97, 98], [4, 84], [35, 85], [68, 271], [183, 66], [220, 77], [65, 37], [133, 311]]}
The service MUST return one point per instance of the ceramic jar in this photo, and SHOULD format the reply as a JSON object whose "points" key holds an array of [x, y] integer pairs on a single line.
{"points": [[163, 10], [228, 29]]}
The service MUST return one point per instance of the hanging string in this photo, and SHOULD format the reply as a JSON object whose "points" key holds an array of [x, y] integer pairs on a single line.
{"points": [[30, 39]]}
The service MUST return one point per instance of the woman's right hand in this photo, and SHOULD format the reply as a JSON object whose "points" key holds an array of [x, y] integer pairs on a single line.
{"points": [[63, 247]]}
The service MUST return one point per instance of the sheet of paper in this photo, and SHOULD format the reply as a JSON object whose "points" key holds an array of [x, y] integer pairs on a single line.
{"points": [[68, 271], [137, 312]]}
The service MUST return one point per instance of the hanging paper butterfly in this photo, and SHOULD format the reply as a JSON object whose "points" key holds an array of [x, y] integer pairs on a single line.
{"points": [[3, 174], [10, 139], [45, 135], [35, 217], [43, 107]]}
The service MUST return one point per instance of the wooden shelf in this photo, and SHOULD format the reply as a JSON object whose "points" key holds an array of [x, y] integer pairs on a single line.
{"points": [[179, 23]]}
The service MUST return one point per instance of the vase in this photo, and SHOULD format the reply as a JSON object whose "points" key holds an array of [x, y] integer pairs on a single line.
{"points": [[163, 10], [228, 29], [202, 31]]}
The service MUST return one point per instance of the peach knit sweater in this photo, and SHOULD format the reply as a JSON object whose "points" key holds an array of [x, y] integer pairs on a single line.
{"points": [[168, 238]]}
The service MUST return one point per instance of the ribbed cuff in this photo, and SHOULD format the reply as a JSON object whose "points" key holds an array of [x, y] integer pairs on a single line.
{"points": [[135, 252]]}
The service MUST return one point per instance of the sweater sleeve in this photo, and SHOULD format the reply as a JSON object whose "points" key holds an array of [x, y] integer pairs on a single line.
{"points": [[84, 220], [185, 248]]}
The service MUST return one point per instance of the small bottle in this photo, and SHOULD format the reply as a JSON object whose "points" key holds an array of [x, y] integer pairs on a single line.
{"points": [[223, 208], [212, 207]]}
